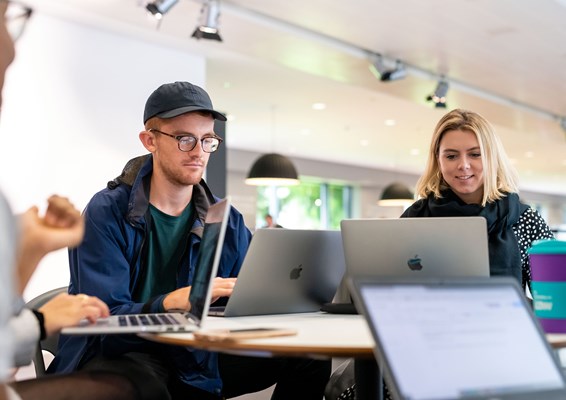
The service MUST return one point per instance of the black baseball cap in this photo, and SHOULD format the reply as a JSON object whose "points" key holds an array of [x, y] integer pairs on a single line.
{"points": [[172, 99]]}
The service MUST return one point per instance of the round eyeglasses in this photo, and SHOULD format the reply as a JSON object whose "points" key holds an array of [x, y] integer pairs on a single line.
{"points": [[16, 17], [209, 144]]}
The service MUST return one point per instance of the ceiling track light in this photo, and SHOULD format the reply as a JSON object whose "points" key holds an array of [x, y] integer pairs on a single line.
{"points": [[158, 8], [365, 54], [208, 27], [439, 95], [399, 72], [387, 70]]}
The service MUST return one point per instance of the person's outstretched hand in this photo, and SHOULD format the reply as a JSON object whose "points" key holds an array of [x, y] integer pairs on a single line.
{"points": [[61, 226], [68, 310]]}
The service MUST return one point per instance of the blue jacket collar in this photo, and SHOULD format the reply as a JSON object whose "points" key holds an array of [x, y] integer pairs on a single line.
{"points": [[137, 174]]}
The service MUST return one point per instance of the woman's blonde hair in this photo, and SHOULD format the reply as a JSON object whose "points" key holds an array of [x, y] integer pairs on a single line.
{"points": [[500, 177]]}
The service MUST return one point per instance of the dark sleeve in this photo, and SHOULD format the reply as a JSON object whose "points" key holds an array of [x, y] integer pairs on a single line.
{"points": [[100, 265], [530, 227]]}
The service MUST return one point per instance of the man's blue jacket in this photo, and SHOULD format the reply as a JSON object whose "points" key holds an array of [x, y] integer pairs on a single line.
{"points": [[110, 263]]}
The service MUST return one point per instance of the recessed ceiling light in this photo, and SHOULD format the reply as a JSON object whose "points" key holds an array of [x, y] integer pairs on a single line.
{"points": [[415, 152], [529, 154], [318, 106], [364, 142], [390, 122]]}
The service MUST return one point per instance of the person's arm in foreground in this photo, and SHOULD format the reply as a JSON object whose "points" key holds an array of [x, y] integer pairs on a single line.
{"points": [[61, 226]]}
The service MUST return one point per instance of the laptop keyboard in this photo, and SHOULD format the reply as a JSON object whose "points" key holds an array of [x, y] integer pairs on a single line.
{"points": [[147, 320]]}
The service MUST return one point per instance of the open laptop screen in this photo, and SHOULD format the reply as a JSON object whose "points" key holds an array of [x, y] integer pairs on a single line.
{"points": [[459, 340], [209, 258]]}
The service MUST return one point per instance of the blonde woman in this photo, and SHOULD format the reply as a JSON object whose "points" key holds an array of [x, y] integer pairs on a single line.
{"points": [[468, 174]]}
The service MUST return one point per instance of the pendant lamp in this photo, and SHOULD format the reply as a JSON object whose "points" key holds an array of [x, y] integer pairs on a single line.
{"points": [[396, 194], [272, 169]]}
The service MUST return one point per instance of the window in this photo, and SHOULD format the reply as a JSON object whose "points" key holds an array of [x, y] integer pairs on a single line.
{"points": [[310, 205]]}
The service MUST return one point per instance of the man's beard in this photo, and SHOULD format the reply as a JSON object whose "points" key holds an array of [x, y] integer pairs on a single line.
{"points": [[177, 178]]}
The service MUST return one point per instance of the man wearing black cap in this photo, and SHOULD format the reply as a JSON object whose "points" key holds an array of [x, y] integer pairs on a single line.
{"points": [[141, 243]]}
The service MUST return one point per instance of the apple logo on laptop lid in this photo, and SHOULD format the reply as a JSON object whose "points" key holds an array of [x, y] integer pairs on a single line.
{"points": [[296, 272], [415, 263]]}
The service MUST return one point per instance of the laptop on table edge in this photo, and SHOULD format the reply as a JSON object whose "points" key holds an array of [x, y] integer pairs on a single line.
{"points": [[206, 269], [458, 338], [413, 247]]}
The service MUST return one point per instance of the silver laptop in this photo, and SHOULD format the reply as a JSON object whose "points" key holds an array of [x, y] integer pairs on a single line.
{"points": [[286, 271], [206, 268], [433, 247], [458, 338]]}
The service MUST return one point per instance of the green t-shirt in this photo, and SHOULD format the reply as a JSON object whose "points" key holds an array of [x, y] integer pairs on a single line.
{"points": [[167, 242]]}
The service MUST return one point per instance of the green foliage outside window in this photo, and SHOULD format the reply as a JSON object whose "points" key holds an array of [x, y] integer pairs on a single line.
{"points": [[340, 204], [309, 205]]}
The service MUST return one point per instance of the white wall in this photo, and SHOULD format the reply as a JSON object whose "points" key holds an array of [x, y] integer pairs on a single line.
{"points": [[73, 107]]}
